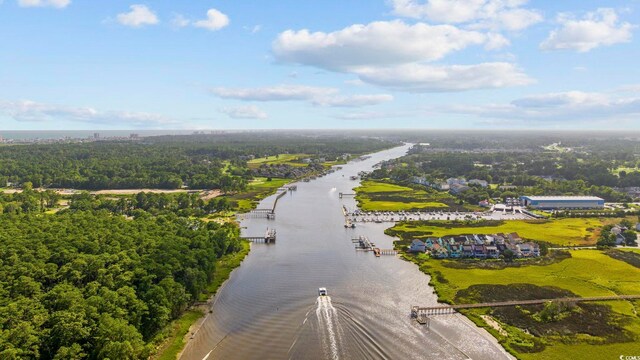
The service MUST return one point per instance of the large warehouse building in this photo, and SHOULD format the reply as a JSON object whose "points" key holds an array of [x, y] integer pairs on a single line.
{"points": [[562, 202]]}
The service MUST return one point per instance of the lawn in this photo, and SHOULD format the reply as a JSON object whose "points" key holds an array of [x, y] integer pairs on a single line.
{"points": [[382, 196], [257, 190], [562, 232], [289, 159]]}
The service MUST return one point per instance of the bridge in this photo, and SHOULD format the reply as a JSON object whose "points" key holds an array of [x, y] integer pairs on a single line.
{"points": [[341, 195], [418, 312], [268, 238]]}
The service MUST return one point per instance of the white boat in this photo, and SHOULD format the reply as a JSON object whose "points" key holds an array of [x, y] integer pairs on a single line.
{"points": [[322, 291]]}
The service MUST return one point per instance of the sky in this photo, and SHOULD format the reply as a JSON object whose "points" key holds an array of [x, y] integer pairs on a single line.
{"points": [[314, 64]]}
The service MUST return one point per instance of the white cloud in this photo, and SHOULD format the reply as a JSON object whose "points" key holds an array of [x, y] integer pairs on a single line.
{"points": [[571, 106], [378, 43], [598, 28], [319, 96], [59, 4], [488, 14], [139, 15], [426, 78], [245, 112], [179, 21], [31, 111], [274, 93], [353, 100], [215, 20]]}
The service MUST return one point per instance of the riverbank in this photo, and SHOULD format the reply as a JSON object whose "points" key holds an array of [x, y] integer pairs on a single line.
{"points": [[180, 329], [552, 331]]}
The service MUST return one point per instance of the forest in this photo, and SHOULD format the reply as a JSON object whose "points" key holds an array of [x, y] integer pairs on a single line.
{"points": [[89, 284], [166, 162]]}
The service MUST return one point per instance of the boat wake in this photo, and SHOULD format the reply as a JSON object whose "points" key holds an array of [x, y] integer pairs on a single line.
{"points": [[329, 327]]}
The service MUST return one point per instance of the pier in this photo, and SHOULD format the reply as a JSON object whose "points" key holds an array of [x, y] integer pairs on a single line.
{"points": [[341, 195], [363, 243], [418, 311], [268, 238]]}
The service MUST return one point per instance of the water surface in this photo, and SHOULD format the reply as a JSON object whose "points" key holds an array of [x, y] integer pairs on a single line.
{"points": [[270, 309]]}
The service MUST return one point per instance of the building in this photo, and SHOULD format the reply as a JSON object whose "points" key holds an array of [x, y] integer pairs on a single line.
{"points": [[562, 202], [418, 246], [478, 182]]}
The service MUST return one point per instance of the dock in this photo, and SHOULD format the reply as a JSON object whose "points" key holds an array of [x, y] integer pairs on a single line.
{"points": [[363, 243], [417, 311], [268, 238]]}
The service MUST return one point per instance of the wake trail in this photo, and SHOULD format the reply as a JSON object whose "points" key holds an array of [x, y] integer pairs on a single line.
{"points": [[327, 319]]}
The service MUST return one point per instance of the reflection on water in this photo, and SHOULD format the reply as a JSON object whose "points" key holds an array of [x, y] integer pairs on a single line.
{"points": [[270, 309]]}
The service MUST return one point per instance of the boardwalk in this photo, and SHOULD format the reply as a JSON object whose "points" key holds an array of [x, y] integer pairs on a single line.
{"points": [[417, 311]]}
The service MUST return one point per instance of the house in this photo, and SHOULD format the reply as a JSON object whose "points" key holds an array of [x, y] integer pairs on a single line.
{"points": [[492, 251], [418, 246], [515, 238], [458, 188], [467, 250], [439, 252], [420, 180], [456, 181], [455, 251], [478, 182], [484, 203], [480, 251]]}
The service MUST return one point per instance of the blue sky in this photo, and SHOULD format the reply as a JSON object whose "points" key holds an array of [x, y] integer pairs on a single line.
{"points": [[236, 64]]}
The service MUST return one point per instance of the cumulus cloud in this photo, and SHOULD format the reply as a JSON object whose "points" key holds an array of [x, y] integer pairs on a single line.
{"points": [[353, 100], [139, 15], [245, 112], [595, 29], [31, 111], [59, 4], [378, 43], [273, 93], [215, 21], [489, 14], [426, 78], [179, 21], [319, 96], [573, 106]]}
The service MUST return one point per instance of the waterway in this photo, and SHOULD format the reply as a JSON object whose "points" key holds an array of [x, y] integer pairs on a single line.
{"points": [[270, 308]]}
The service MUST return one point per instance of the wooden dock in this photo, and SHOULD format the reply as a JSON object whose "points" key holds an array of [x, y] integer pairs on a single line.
{"points": [[417, 311], [341, 195], [268, 238]]}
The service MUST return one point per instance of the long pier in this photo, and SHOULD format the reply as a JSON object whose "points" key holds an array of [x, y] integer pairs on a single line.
{"points": [[418, 311], [363, 243], [271, 213]]}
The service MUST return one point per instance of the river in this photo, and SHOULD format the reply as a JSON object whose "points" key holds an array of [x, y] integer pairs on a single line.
{"points": [[270, 309]]}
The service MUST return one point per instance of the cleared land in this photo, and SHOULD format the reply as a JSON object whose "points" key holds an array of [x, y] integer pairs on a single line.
{"points": [[288, 159], [562, 232], [381, 196]]}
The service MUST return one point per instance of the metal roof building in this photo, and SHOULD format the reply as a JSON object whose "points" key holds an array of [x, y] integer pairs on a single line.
{"points": [[562, 202]]}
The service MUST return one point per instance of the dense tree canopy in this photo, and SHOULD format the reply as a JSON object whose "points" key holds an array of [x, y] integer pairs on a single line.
{"points": [[83, 284]]}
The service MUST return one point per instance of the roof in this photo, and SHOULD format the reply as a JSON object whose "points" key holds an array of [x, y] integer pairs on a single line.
{"points": [[565, 198]]}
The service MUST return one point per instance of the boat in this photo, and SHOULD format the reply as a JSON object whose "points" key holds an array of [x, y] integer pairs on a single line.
{"points": [[322, 291]]}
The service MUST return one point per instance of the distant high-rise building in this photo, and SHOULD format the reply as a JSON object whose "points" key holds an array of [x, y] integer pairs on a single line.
{"points": [[133, 136], [96, 136]]}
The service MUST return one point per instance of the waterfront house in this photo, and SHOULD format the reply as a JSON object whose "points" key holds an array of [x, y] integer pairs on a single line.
{"points": [[418, 246], [492, 251], [467, 250], [479, 251]]}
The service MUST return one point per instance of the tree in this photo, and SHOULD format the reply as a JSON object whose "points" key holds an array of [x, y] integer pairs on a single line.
{"points": [[630, 238]]}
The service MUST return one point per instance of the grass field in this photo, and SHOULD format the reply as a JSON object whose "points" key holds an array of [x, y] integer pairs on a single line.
{"points": [[562, 232], [289, 159], [257, 190], [381, 196]]}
